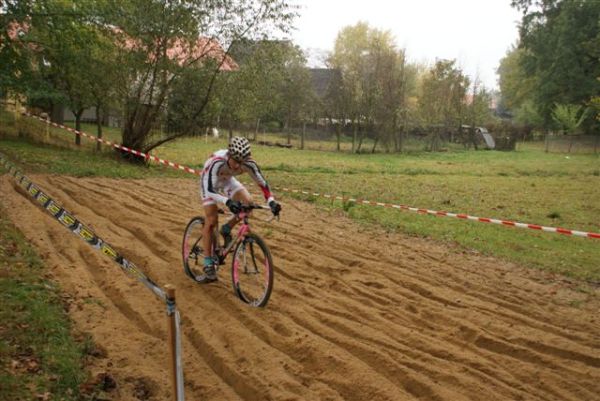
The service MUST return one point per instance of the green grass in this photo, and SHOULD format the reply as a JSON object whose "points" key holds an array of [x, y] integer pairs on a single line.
{"points": [[38, 354], [40, 158], [527, 185]]}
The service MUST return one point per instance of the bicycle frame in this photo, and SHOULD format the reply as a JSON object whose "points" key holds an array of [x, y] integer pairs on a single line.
{"points": [[252, 264], [242, 232]]}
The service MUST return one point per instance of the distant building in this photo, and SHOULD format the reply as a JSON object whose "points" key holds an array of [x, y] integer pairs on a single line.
{"points": [[322, 78]]}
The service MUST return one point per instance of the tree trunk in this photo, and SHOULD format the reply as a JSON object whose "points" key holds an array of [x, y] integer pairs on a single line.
{"points": [[98, 127], [303, 135], [360, 139], [257, 128], [338, 135], [288, 131], [354, 135], [375, 144]]}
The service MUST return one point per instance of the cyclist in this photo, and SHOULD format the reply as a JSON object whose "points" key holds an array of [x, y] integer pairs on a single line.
{"points": [[219, 185]]}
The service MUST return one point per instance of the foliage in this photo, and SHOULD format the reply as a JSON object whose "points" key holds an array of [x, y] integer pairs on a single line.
{"points": [[160, 44], [67, 52], [373, 84], [271, 85], [561, 48], [442, 101], [568, 116], [516, 86]]}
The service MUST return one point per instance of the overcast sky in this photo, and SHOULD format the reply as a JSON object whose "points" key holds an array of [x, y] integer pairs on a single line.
{"points": [[477, 33]]}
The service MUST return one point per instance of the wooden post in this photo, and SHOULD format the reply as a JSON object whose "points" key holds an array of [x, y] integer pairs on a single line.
{"points": [[303, 134], [48, 129], [172, 336]]}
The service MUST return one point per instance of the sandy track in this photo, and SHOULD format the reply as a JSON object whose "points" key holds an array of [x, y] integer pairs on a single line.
{"points": [[356, 314]]}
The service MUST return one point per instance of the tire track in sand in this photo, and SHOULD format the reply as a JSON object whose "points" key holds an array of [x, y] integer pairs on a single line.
{"points": [[351, 318]]}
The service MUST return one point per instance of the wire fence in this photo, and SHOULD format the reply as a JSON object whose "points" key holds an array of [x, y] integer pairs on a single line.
{"points": [[572, 144]]}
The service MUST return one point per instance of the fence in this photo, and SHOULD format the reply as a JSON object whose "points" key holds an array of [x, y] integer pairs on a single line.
{"points": [[572, 144], [85, 233]]}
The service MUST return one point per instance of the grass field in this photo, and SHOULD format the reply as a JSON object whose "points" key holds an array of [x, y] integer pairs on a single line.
{"points": [[527, 185], [39, 359]]}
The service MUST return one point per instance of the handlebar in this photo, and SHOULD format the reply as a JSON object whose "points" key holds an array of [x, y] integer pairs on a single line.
{"points": [[249, 207]]}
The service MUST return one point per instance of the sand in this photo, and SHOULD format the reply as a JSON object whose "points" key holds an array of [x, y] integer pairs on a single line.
{"points": [[356, 313]]}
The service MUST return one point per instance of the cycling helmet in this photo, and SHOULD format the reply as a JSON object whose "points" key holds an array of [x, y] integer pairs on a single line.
{"points": [[239, 148]]}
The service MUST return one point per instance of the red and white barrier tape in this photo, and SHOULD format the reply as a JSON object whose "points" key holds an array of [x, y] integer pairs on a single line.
{"points": [[449, 214], [341, 198], [119, 146]]}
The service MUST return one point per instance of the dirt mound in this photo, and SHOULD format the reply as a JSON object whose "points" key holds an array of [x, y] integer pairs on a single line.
{"points": [[356, 314]]}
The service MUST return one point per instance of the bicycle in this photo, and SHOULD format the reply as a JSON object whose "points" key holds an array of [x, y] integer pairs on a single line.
{"points": [[251, 267]]}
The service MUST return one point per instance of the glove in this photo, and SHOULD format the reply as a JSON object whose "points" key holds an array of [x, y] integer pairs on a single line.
{"points": [[275, 207], [234, 206]]}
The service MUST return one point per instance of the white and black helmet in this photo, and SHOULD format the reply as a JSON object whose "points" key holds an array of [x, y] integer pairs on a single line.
{"points": [[239, 148]]}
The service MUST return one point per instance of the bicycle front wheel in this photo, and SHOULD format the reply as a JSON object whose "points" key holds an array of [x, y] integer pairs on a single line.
{"points": [[252, 271]]}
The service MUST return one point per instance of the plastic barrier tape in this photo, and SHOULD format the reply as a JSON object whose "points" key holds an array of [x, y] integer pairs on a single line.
{"points": [[76, 227]]}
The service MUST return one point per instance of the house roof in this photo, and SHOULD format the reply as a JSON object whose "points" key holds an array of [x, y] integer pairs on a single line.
{"points": [[204, 47], [183, 51], [179, 50]]}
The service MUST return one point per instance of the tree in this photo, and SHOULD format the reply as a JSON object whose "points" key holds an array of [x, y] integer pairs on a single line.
{"points": [[373, 86], [442, 100], [516, 86], [336, 104], [159, 45], [271, 84], [65, 53], [561, 43], [297, 94], [568, 116], [478, 110], [348, 57]]}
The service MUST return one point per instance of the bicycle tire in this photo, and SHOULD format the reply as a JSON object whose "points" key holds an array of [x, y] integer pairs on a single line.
{"points": [[254, 291], [191, 247]]}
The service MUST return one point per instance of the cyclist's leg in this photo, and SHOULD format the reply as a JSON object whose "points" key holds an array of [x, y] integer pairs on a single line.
{"points": [[236, 191], [210, 223]]}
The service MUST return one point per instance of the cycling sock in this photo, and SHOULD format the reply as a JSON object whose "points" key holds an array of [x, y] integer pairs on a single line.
{"points": [[208, 261]]}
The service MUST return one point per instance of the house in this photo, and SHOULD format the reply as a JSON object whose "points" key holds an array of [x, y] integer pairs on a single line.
{"points": [[180, 51]]}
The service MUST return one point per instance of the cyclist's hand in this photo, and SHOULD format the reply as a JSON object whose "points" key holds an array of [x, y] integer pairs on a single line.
{"points": [[234, 206], [275, 207]]}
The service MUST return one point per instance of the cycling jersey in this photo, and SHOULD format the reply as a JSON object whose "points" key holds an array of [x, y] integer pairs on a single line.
{"points": [[217, 178]]}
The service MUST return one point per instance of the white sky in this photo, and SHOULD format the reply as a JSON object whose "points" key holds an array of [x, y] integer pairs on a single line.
{"points": [[477, 33]]}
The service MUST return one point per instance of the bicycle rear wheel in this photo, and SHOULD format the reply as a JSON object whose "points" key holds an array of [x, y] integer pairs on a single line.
{"points": [[191, 249], [252, 271]]}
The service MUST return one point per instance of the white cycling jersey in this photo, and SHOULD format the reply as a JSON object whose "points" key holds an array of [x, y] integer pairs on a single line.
{"points": [[218, 178]]}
